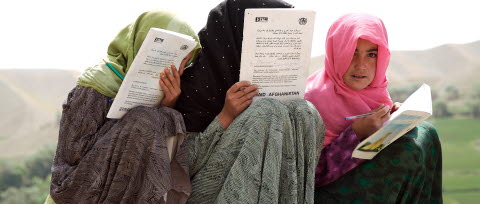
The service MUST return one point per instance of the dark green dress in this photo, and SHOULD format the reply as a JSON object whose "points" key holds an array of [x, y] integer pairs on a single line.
{"points": [[407, 171]]}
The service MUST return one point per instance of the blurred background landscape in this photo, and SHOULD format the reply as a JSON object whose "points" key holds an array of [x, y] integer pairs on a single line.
{"points": [[46, 44], [31, 110]]}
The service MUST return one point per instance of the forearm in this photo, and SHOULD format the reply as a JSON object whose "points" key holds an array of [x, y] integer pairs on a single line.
{"points": [[225, 119]]}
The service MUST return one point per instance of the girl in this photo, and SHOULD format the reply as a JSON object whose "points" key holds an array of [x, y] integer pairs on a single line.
{"points": [[354, 82], [240, 152], [100, 160]]}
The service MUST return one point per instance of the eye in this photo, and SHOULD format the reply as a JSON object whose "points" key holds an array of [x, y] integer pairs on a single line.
{"points": [[372, 55]]}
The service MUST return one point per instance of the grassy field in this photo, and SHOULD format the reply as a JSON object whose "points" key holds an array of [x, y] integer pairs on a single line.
{"points": [[460, 140]]}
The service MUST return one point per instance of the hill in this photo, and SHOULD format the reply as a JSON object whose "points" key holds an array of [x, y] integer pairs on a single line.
{"points": [[30, 108], [31, 99], [451, 64]]}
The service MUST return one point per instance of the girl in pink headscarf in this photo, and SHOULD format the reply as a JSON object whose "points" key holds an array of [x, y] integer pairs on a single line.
{"points": [[354, 82]]}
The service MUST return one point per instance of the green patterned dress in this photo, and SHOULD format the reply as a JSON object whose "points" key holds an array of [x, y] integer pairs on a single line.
{"points": [[267, 155], [408, 171]]}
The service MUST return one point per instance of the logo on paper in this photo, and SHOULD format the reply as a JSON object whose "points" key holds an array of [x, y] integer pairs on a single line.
{"points": [[184, 47], [302, 21], [158, 40], [261, 19]]}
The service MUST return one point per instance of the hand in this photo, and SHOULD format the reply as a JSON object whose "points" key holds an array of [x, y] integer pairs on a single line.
{"points": [[395, 107], [170, 84], [366, 126], [237, 99]]}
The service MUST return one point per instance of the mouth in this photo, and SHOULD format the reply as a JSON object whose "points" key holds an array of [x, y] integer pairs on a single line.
{"points": [[358, 76]]}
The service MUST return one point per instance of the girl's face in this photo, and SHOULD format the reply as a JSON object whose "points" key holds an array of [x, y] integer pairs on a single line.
{"points": [[361, 71]]}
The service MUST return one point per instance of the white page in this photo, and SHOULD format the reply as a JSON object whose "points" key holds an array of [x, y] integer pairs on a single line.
{"points": [[160, 49], [417, 101], [416, 108], [276, 51]]}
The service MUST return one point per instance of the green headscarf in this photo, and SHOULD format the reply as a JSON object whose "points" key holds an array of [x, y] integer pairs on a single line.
{"points": [[124, 47]]}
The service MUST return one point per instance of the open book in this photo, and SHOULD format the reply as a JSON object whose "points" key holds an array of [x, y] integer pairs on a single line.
{"points": [[417, 108], [276, 51], [160, 49]]}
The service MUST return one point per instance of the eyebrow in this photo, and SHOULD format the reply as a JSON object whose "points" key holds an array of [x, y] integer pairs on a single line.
{"points": [[370, 50]]}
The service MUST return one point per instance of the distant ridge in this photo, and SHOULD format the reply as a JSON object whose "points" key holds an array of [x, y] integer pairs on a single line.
{"points": [[451, 64], [30, 108], [31, 100]]}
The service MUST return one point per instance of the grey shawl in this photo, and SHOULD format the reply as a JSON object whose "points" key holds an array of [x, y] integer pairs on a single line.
{"points": [[267, 155], [99, 160]]}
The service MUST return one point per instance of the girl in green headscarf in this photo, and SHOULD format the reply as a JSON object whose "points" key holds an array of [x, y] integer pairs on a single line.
{"points": [[122, 161], [124, 47]]}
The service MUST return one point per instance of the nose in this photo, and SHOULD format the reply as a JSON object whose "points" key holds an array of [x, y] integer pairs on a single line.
{"points": [[360, 63]]}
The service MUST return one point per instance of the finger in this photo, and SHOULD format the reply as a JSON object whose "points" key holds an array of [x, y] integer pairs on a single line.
{"points": [[380, 113], [167, 83], [249, 96], [250, 88], [181, 69], [395, 107], [237, 86], [160, 81], [378, 108], [385, 117], [243, 92], [169, 75], [184, 62], [176, 75], [245, 104], [165, 88]]}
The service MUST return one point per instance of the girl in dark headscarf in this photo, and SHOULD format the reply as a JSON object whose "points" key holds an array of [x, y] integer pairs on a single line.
{"points": [[204, 87], [100, 160], [265, 155]]}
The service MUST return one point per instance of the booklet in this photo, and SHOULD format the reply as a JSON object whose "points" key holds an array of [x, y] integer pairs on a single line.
{"points": [[160, 49], [417, 108], [276, 51]]}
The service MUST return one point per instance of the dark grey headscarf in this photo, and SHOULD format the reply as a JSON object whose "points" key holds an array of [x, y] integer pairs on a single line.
{"points": [[206, 82]]}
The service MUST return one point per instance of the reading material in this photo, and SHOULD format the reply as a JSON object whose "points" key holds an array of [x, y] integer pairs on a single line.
{"points": [[160, 49], [417, 108], [276, 51]]}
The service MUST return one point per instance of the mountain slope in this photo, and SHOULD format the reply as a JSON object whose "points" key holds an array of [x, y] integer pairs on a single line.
{"points": [[30, 108], [457, 65], [31, 100]]}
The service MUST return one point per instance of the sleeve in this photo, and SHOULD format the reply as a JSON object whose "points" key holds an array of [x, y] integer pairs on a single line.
{"points": [[84, 113], [201, 145], [336, 158]]}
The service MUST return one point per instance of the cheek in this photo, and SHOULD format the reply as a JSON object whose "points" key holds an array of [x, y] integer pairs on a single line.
{"points": [[372, 67], [344, 77], [347, 73]]}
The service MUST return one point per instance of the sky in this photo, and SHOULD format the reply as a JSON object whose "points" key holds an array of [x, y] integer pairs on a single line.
{"points": [[58, 34]]}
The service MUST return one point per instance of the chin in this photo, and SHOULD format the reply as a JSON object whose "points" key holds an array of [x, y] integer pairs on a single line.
{"points": [[357, 86]]}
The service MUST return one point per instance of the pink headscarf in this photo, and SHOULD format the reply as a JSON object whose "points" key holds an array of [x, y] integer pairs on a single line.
{"points": [[325, 88]]}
